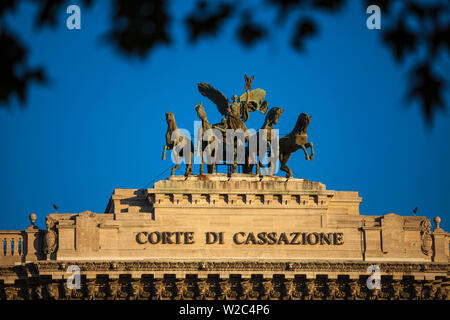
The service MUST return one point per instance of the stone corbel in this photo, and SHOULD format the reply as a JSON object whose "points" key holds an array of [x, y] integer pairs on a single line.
{"points": [[213, 199], [285, 199], [322, 200], [250, 199], [196, 198], [304, 200], [232, 199], [159, 198], [268, 199], [177, 198]]}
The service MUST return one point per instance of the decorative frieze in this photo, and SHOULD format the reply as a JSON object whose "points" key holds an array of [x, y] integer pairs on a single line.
{"points": [[235, 288], [243, 200], [101, 267]]}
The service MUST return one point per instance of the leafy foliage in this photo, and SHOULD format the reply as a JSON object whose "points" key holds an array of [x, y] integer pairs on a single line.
{"points": [[138, 26], [417, 32], [420, 31], [305, 28], [204, 21], [16, 75]]}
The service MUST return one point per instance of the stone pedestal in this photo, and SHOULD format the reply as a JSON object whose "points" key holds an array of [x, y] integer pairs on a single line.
{"points": [[33, 245], [440, 243]]}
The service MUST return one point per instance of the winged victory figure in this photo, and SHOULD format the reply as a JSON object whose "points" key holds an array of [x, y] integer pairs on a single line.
{"points": [[237, 111]]}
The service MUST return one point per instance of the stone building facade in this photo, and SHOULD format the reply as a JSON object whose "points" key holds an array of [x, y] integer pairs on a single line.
{"points": [[215, 237]]}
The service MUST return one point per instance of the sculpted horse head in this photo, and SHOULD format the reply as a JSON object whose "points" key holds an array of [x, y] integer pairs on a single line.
{"points": [[201, 113], [301, 126], [272, 117], [175, 139], [170, 118]]}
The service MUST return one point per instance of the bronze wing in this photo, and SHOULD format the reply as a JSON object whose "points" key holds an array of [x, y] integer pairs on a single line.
{"points": [[256, 100], [215, 96]]}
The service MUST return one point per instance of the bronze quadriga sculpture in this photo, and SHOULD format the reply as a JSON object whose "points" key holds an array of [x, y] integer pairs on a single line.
{"points": [[236, 113]]}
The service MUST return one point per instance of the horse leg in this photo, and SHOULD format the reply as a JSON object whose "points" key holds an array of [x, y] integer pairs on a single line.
{"points": [[263, 169], [245, 166], [190, 165], [283, 167], [177, 166], [302, 146], [310, 145], [235, 161], [203, 162], [188, 171], [213, 164], [266, 168], [164, 152], [250, 159], [255, 161]]}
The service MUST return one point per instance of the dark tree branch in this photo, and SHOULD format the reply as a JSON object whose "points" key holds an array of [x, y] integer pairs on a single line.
{"points": [[140, 26]]}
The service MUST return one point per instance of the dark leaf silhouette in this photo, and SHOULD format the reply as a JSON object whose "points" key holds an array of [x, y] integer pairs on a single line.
{"points": [[16, 76], [205, 22], [6, 5], [427, 87], [412, 29], [250, 33], [47, 11], [305, 28], [440, 39], [138, 26], [385, 5], [328, 5], [401, 40], [50, 10], [285, 6], [425, 11]]}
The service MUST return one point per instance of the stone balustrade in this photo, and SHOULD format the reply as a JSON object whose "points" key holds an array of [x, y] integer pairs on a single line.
{"points": [[12, 246], [21, 246]]}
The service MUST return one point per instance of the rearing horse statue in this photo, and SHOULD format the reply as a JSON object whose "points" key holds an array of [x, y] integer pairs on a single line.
{"points": [[201, 144], [297, 139], [177, 144], [271, 119]]}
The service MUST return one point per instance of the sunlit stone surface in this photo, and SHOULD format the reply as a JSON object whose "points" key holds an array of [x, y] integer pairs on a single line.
{"points": [[220, 237]]}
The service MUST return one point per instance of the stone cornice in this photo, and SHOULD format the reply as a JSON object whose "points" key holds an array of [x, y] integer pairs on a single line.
{"points": [[217, 266]]}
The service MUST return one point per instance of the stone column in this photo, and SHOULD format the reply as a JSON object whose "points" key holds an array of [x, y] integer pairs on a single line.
{"points": [[33, 241]]}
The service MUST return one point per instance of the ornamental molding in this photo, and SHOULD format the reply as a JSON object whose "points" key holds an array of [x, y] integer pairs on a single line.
{"points": [[226, 289], [226, 266]]}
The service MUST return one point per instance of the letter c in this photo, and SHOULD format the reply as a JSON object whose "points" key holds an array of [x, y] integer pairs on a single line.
{"points": [[142, 237], [235, 239]]}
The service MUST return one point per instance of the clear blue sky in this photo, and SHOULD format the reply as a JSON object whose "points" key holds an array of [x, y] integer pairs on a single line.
{"points": [[99, 123]]}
